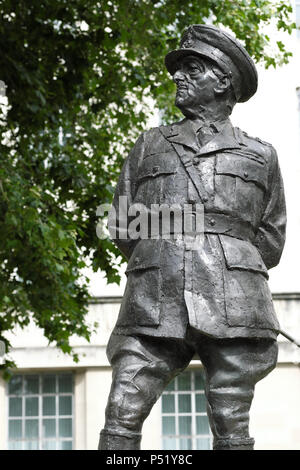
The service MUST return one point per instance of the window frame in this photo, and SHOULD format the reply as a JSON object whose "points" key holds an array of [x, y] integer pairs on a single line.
{"points": [[40, 417], [193, 413]]}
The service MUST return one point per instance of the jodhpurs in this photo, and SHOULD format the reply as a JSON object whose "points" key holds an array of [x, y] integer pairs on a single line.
{"points": [[143, 366]]}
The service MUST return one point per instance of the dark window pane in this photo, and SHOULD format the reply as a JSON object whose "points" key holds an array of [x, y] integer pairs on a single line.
{"points": [[48, 406], [200, 403], [65, 383], [168, 403], [48, 384], [65, 427], [184, 381], [15, 428], [15, 385], [32, 406], [15, 406], [31, 428], [168, 425], [185, 444], [31, 384], [202, 426], [49, 428], [203, 443], [184, 403], [65, 405], [171, 386], [66, 445], [199, 380], [185, 425]]}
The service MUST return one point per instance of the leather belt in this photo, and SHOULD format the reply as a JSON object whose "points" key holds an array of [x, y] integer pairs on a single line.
{"points": [[228, 225], [215, 223]]}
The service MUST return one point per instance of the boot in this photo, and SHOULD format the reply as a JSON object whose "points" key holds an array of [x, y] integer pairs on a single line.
{"points": [[110, 440]]}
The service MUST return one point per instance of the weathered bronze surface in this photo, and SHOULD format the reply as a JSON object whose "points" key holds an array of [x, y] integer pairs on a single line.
{"points": [[212, 299]]}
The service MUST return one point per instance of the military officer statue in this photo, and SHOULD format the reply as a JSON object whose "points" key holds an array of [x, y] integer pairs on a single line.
{"points": [[213, 301]]}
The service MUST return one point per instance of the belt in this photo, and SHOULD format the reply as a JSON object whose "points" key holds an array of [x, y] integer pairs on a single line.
{"points": [[228, 225], [211, 223]]}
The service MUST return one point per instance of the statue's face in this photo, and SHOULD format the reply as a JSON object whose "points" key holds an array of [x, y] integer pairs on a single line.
{"points": [[195, 82]]}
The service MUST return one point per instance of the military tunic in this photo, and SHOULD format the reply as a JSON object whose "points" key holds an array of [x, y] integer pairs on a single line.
{"points": [[221, 288]]}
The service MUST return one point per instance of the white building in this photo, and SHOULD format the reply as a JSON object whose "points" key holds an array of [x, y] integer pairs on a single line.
{"points": [[54, 403]]}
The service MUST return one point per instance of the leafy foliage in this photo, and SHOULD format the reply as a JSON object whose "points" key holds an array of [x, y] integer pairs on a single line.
{"points": [[79, 75]]}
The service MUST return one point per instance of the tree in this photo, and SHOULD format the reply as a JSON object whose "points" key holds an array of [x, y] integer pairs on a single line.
{"points": [[78, 74]]}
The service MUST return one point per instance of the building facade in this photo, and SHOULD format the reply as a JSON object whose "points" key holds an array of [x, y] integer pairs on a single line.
{"points": [[53, 403]]}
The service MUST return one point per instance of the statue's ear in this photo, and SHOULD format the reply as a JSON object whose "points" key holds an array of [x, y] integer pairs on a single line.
{"points": [[223, 85]]}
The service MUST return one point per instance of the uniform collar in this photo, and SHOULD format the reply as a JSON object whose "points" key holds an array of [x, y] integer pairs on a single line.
{"points": [[184, 133], [213, 127]]}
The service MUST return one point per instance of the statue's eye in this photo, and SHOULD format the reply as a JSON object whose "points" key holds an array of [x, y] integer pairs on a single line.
{"points": [[194, 68]]}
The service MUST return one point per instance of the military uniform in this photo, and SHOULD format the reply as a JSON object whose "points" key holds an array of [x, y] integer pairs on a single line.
{"points": [[220, 289], [214, 299]]}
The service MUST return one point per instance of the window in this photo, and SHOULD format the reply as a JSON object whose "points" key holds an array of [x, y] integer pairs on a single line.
{"points": [[184, 419], [40, 412]]}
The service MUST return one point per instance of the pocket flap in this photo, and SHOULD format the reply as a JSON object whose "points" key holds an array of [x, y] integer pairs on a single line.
{"points": [[245, 168], [158, 164], [145, 255], [240, 254]]}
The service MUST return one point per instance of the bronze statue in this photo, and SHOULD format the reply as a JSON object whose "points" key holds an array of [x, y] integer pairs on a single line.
{"points": [[213, 300]]}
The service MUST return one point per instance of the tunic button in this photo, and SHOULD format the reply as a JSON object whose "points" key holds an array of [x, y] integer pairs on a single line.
{"points": [[155, 169], [137, 260], [246, 174], [212, 222], [205, 199]]}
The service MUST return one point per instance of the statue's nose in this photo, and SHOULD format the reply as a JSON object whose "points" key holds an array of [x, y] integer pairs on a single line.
{"points": [[178, 75]]}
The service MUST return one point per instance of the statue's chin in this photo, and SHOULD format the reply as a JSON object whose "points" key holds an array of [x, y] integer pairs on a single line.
{"points": [[184, 108], [180, 103]]}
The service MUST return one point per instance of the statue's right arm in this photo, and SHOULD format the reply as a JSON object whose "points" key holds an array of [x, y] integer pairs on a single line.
{"points": [[123, 199]]}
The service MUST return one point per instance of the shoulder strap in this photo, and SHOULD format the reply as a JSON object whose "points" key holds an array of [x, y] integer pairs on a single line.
{"points": [[190, 169]]}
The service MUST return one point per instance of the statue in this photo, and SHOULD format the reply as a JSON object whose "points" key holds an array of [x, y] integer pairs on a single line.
{"points": [[212, 300]]}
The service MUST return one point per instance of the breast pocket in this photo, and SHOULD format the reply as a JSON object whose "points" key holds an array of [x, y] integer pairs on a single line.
{"points": [[154, 174], [244, 167], [241, 185]]}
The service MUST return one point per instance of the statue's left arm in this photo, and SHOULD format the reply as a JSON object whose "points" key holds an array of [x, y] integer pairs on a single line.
{"points": [[270, 237]]}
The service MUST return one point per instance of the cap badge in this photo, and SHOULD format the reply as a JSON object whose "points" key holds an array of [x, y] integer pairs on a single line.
{"points": [[189, 41]]}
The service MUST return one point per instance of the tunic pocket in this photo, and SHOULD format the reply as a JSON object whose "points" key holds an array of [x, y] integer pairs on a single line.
{"points": [[141, 300], [156, 165], [248, 299], [241, 254], [244, 168], [241, 186]]}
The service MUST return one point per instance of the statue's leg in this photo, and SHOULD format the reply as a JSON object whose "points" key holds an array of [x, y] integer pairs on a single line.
{"points": [[233, 367], [142, 367]]}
